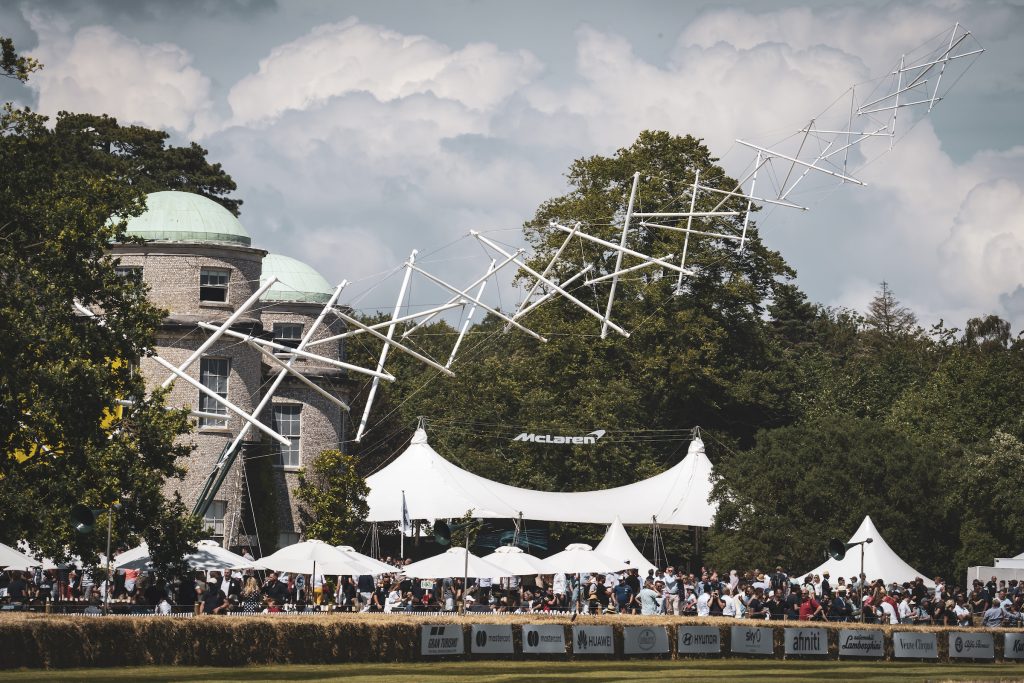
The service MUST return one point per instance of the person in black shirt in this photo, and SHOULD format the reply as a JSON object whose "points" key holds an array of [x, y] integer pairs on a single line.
{"points": [[275, 589], [776, 609], [214, 600], [792, 604]]}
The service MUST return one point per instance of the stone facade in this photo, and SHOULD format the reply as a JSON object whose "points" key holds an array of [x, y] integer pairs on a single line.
{"points": [[172, 270]]}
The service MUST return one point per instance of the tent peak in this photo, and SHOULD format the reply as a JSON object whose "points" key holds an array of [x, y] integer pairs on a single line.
{"points": [[420, 436], [696, 447]]}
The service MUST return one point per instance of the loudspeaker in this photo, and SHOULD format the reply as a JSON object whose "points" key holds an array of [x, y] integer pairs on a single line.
{"points": [[83, 518], [837, 549], [442, 533]]}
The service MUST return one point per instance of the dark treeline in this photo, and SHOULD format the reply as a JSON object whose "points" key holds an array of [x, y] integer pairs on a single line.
{"points": [[813, 417]]}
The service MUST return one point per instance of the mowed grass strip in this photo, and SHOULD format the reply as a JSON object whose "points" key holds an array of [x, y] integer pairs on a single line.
{"points": [[537, 671]]}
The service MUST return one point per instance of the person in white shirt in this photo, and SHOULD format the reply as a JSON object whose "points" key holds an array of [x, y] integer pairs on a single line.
{"points": [[704, 604], [906, 611], [888, 613]]}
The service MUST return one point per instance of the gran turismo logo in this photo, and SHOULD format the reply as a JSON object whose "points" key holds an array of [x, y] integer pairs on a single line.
{"points": [[437, 631], [533, 639]]}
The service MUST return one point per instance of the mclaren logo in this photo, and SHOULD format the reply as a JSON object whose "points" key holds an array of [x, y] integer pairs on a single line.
{"points": [[590, 438]]}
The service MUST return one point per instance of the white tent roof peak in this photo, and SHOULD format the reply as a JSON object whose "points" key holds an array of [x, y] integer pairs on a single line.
{"points": [[696, 447], [617, 544], [435, 488], [880, 561]]}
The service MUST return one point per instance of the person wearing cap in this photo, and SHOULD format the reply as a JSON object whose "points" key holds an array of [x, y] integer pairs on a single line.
{"points": [[906, 609]]}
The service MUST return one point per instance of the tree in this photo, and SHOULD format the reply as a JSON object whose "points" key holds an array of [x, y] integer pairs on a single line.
{"points": [[332, 499], [76, 423], [799, 486], [888, 317]]}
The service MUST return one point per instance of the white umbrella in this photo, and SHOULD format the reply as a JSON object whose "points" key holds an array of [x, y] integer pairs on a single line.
{"points": [[311, 557], [141, 551], [9, 557], [374, 567], [580, 558], [514, 560], [453, 563], [208, 556]]}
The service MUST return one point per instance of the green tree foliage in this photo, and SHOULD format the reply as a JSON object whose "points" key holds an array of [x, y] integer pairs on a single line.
{"points": [[62, 373], [332, 497], [814, 416], [799, 486]]}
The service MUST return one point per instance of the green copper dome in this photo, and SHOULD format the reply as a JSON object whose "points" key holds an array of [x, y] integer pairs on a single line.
{"points": [[185, 217], [295, 281]]}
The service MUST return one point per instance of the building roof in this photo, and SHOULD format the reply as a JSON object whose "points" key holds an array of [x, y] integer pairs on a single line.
{"points": [[296, 281], [174, 216]]}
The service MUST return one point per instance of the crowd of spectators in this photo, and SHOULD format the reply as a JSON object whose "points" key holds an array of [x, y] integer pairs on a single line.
{"points": [[750, 595]]}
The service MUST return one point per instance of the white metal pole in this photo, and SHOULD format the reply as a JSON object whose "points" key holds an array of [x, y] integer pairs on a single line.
{"points": [[268, 395], [461, 293], [689, 223], [552, 284], [223, 401], [303, 354], [391, 342], [551, 293], [547, 271], [219, 330], [746, 218], [384, 351], [618, 257], [629, 252], [896, 109], [377, 326], [469, 318]]}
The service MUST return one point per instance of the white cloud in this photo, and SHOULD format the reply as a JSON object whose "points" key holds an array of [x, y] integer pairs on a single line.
{"points": [[98, 70], [336, 59]]}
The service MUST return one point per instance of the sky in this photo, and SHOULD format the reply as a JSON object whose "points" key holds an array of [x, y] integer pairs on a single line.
{"points": [[358, 131]]}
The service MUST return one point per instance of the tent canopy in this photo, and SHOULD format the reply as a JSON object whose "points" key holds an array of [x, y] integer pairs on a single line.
{"points": [[453, 562], [434, 488], [880, 561], [515, 560], [208, 556], [580, 558], [9, 557], [617, 544]]}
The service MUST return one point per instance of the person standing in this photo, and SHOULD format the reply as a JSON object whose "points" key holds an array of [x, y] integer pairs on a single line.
{"points": [[648, 599], [672, 586]]}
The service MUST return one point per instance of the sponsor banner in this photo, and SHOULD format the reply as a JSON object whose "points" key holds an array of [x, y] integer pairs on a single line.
{"points": [[441, 639], [855, 642], [971, 646], [1013, 646], [913, 645], [749, 640], [698, 640], [585, 440], [543, 639], [806, 641], [644, 640], [593, 640], [491, 639]]}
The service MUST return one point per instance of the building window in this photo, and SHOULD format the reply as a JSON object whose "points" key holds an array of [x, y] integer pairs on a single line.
{"points": [[213, 284], [286, 423], [287, 538], [288, 334], [129, 272], [214, 519], [213, 374]]}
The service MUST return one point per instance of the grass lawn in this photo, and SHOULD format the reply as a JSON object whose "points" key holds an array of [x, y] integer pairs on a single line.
{"points": [[534, 671]]}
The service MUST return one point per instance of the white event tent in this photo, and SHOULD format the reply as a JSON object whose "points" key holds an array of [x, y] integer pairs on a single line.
{"points": [[453, 562], [431, 487], [880, 561], [617, 544]]}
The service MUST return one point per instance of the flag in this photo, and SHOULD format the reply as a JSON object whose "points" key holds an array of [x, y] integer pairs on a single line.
{"points": [[406, 522]]}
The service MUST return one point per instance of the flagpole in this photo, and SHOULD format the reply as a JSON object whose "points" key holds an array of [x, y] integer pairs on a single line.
{"points": [[405, 514]]}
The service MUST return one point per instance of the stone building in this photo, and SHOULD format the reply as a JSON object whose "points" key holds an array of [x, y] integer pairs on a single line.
{"points": [[200, 265]]}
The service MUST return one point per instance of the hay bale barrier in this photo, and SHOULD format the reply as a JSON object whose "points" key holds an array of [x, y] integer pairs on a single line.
{"points": [[36, 641]]}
